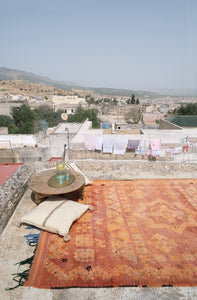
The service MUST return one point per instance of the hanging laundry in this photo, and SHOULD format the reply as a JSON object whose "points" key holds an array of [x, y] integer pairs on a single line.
{"points": [[156, 153], [162, 153], [89, 141], [120, 146], [155, 144], [179, 149], [172, 151], [149, 152], [185, 148], [176, 150], [142, 147], [99, 143], [108, 144], [133, 144]]}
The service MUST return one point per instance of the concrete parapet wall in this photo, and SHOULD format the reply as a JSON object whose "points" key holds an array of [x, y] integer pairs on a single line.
{"points": [[8, 156], [130, 169], [11, 192], [33, 154], [19, 139], [28, 155], [85, 154], [24, 155], [13, 189]]}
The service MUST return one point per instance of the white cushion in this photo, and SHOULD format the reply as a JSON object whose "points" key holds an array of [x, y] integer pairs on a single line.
{"points": [[73, 167], [56, 215]]}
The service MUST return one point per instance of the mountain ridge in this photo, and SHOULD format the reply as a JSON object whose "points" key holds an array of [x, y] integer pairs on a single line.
{"points": [[11, 74]]}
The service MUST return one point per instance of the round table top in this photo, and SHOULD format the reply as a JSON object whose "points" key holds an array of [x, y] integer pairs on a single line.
{"points": [[39, 183]]}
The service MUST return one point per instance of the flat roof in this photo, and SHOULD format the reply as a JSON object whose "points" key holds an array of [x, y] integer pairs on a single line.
{"points": [[86, 128], [72, 127], [168, 136]]}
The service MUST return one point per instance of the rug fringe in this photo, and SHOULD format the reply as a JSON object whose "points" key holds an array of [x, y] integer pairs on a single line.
{"points": [[21, 277]]}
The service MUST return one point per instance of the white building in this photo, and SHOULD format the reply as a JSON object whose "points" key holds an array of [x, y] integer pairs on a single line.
{"points": [[68, 100]]}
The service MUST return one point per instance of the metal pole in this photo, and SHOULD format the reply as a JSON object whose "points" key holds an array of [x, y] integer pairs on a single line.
{"points": [[68, 138]]}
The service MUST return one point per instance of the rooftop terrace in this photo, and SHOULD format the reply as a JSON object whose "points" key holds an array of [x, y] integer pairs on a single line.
{"points": [[12, 237]]}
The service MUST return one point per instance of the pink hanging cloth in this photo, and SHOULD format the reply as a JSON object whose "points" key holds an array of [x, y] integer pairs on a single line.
{"points": [[155, 144]]}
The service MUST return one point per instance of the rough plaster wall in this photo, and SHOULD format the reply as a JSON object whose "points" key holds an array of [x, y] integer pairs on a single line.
{"points": [[98, 155], [19, 139], [12, 191], [30, 155], [24, 155], [131, 169], [5, 106]]}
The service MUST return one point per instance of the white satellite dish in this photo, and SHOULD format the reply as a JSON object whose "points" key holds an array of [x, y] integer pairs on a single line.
{"points": [[64, 116]]}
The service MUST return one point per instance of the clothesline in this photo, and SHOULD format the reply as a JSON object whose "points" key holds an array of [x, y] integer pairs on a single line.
{"points": [[117, 145]]}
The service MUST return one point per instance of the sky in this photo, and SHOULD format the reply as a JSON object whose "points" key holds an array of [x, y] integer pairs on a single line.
{"points": [[128, 44]]}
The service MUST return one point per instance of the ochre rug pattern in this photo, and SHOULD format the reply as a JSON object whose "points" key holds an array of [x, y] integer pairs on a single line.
{"points": [[140, 233]]}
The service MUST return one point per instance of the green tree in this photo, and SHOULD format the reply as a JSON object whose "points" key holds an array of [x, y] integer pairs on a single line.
{"points": [[157, 122], [53, 118], [6, 121], [97, 102], [23, 118], [137, 101], [128, 101], [133, 99], [187, 109], [90, 100], [82, 114], [114, 101]]}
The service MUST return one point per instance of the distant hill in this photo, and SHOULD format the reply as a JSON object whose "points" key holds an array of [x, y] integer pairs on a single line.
{"points": [[121, 92], [10, 74]]}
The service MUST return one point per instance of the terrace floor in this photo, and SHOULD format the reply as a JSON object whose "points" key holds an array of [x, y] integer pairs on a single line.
{"points": [[13, 249]]}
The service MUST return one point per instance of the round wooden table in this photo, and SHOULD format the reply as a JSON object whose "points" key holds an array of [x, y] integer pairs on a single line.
{"points": [[39, 185]]}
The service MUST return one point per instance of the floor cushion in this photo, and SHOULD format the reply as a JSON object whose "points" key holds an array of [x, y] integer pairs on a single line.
{"points": [[55, 215]]}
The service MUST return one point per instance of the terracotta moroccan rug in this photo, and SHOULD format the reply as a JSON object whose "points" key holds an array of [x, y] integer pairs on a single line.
{"points": [[141, 233]]}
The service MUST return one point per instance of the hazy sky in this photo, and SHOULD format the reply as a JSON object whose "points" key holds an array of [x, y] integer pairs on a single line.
{"points": [[130, 44]]}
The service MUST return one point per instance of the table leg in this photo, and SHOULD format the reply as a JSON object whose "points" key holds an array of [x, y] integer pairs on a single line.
{"points": [[82, 192], [38, 198]]}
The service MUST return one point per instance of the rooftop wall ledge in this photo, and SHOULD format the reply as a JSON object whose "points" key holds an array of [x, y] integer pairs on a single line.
{"points": [[12, 191], [14, 188]]}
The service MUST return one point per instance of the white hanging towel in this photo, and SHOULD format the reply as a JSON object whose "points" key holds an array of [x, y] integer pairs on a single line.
{"points": [[108, 144], [89, 141], [143, 147], [120, 146], [99, 143]]}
